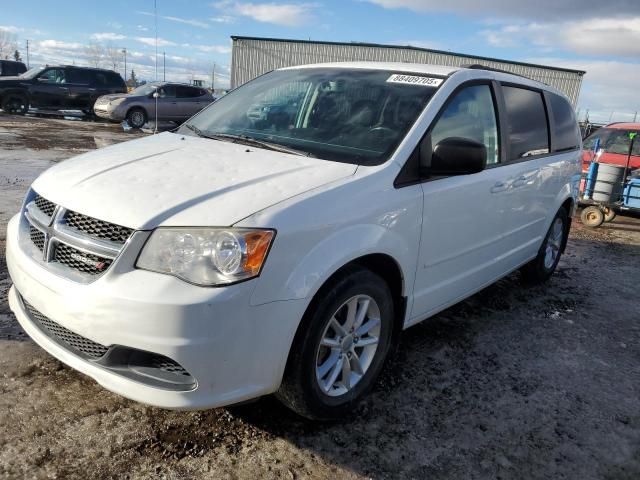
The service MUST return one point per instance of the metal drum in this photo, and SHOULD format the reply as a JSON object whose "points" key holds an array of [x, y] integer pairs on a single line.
{"points": [[608, 185]]}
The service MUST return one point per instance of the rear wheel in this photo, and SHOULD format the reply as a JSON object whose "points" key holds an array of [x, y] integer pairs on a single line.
{"points": [[136, 117], [542, 267], [609, 214], [15, 104], [592, 217], [340, 347]]}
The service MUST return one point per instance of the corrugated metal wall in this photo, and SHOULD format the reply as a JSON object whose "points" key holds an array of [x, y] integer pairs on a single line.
{"points": [[252, 57]]}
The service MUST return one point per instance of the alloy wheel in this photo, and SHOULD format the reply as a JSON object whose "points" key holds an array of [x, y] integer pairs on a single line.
{"points": [[348, 345]]}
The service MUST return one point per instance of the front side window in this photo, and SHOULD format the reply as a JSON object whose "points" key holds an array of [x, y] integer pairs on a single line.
{"points": [[347, 115], [528, 130], [167, 91], [53, 75], [470, 114]]}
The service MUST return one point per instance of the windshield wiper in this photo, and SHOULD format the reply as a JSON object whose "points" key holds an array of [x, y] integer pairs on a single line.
{"points": [[246, 140]]}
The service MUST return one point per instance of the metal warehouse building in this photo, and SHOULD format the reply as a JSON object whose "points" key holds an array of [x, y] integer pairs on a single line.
{"points": [[253, 56]]}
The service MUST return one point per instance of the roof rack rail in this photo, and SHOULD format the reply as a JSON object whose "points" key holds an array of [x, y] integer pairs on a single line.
{"points": [[478, 66]]}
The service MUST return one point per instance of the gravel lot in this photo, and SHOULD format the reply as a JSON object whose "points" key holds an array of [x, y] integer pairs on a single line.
{"points": [[515, 382]]}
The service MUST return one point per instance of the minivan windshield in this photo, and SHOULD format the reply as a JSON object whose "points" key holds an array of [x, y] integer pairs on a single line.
{"points": [[346, 115]]}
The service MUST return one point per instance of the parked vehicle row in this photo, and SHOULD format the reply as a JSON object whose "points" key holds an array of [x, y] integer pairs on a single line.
{"points": [[99, 91], [280, 240]]}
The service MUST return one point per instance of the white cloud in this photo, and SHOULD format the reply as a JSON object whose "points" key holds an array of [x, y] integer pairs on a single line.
{"points": [[223, 49], [186, 21], [107, 36], [58, 44], [10, 29], [285, 14], [151, 41], [539, 9], [223, 19], [142, 28], [597, 36]]}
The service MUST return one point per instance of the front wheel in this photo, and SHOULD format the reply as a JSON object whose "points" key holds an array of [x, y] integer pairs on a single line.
{"points": [[136, 117], [340, 347], [542, 267], [609, 214], [15, 104]]}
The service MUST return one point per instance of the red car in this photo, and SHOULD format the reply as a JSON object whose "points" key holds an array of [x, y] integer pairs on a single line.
{"points": [[614, 140]]}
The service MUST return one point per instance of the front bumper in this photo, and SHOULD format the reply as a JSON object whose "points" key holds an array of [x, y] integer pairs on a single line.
{"points": [[109, 114], [233, 350]]}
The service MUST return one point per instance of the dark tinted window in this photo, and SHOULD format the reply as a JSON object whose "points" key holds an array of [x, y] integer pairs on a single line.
{"points": [[114, 79], [187, 92], [527, 122], [78, 76], [567, 134]]}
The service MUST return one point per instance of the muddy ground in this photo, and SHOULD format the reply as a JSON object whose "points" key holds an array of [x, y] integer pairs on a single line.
{"points": [[515, 382]]}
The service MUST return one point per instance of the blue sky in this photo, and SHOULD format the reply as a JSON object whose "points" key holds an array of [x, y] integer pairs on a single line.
{"points": [[600, 37]]}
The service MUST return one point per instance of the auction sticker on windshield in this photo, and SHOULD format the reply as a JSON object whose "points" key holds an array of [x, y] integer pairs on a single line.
{"points": [[414, 80]]}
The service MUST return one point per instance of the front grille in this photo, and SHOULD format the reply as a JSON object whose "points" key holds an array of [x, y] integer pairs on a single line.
{"points": [[44, 205], [37, 237], [80, 261], [80, 344], [81, 247], [98, 228]]}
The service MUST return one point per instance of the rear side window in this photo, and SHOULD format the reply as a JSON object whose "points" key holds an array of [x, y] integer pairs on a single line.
{"points": [[78, 76], [114, 79], [567, 134], [187, 92], [528, 131]]}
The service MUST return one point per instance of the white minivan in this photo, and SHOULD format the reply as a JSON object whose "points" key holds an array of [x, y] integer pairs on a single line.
{"points": [[280, 240]]}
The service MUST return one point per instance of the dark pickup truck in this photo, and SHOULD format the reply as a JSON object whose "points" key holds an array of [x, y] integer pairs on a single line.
{"points": [[58, 88]]}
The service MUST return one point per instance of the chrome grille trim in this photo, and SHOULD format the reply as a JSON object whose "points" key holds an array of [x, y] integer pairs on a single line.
{"points": [[85, 256]]}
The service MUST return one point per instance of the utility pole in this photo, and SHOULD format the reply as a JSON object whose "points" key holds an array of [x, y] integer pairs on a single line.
{"points": [[213, 77], [124, 51], [27, 53], [164, 67], [635, 115], [155, 12]]}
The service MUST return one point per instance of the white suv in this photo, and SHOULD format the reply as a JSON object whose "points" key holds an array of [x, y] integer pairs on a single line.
{"points": [[284, 252]]}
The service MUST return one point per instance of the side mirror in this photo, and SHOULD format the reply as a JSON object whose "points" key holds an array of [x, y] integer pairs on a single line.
{"points": [[455, 156]]}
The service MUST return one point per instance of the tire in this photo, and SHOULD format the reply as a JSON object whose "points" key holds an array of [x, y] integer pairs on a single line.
{"points": [[609, 214], [542, 267], [314, 380], [16, 104], [136, 117], [592, 217]]}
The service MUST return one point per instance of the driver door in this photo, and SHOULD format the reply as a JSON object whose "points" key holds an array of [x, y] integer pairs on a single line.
{"points": [[463, 246], [50, 89]]}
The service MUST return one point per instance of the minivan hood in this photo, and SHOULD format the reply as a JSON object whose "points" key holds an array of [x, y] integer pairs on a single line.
{"points": [[175, 180]]}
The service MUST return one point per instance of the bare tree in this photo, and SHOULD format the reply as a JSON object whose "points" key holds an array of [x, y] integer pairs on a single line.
{"points": [[8, 44], [113, 56], [95, 54]]}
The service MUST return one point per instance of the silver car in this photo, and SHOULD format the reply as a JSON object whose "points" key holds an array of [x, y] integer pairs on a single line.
{"points": [[176, 102]]}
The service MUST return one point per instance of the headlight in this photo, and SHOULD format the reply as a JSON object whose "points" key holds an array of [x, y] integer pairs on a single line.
{"points": [[207, 256]]}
